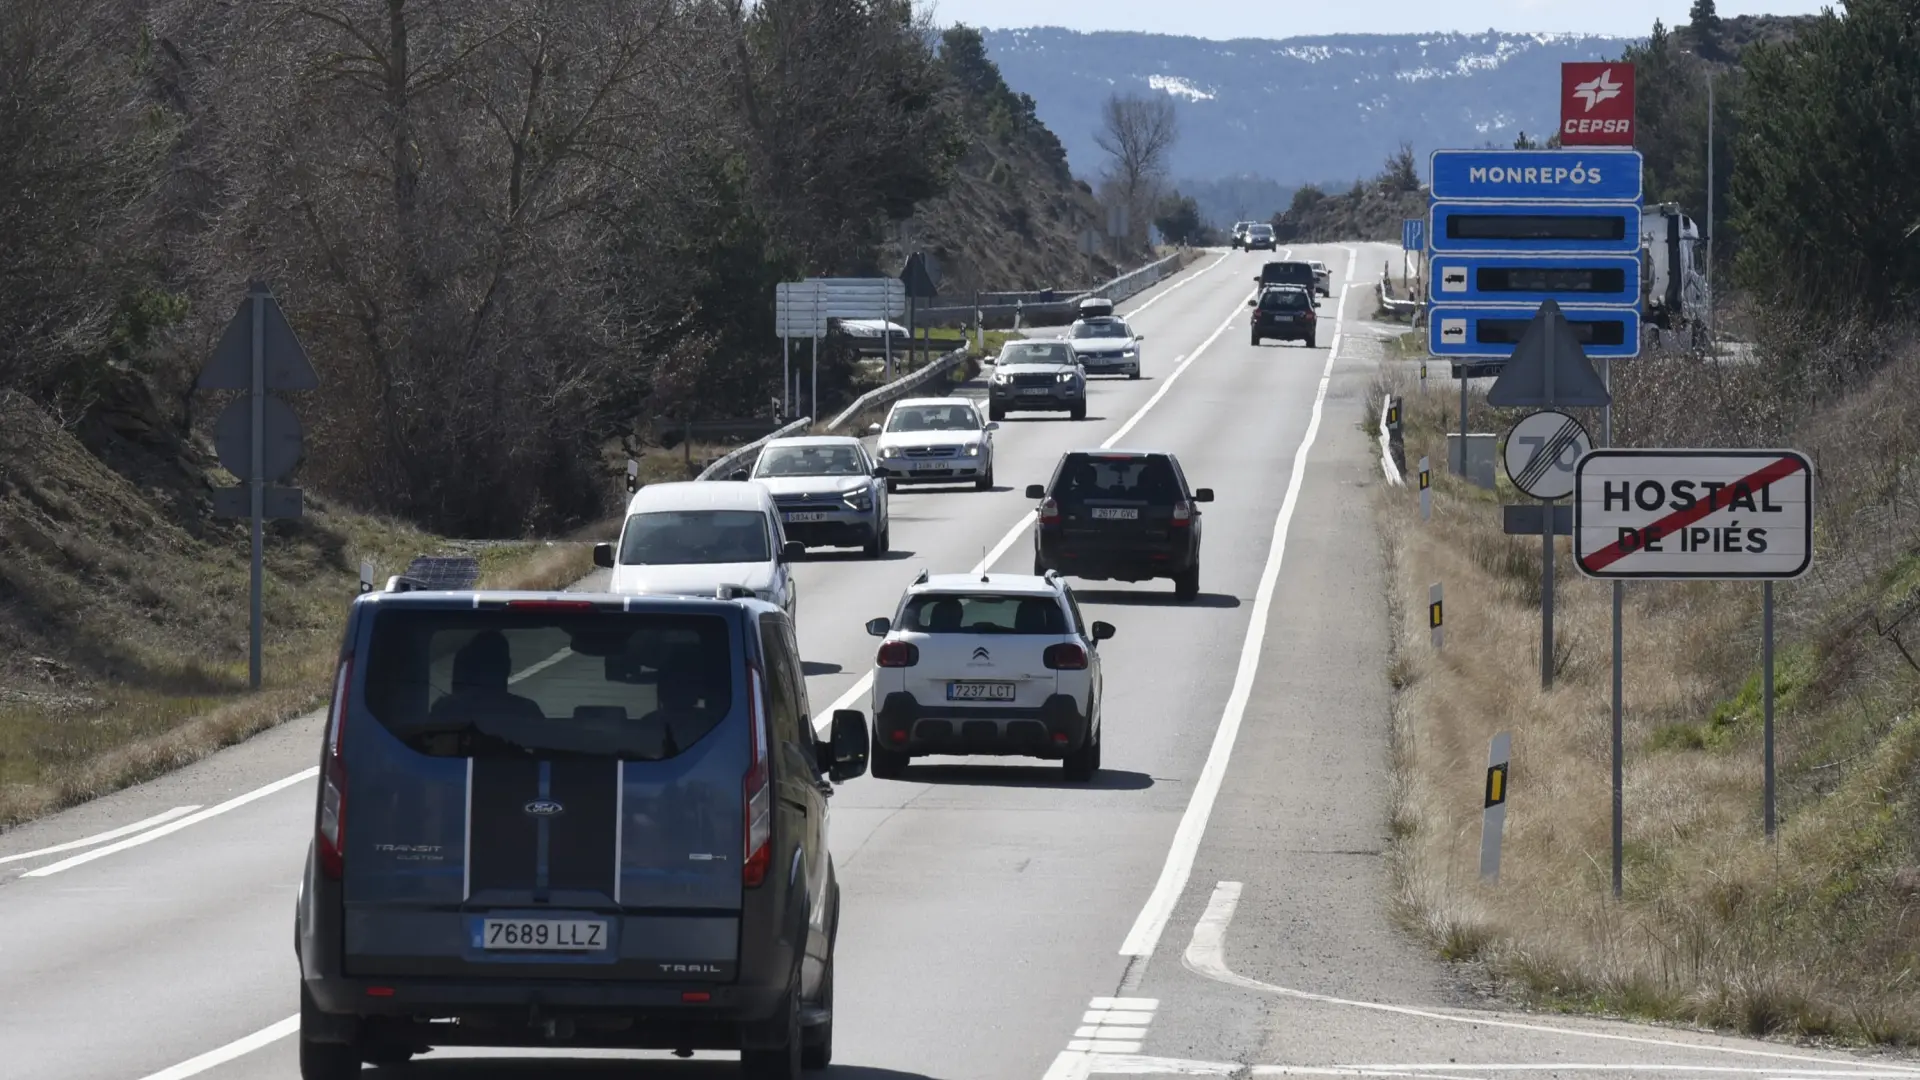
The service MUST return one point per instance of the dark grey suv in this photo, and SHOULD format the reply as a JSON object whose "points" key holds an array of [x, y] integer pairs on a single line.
{"points": [[1037, 376]]}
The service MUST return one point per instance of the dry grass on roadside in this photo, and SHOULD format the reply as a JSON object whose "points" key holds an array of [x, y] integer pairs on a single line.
{"points": [[1815, 937]]}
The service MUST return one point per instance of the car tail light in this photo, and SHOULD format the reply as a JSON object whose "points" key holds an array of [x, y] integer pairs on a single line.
{"points": [[1065, 656], [757, 796], [1050, 512], [898, 654], [1182, 514], [331, 831]]}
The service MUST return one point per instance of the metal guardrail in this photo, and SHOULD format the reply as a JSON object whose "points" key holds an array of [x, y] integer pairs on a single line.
{"points": [[733, 459], [1126, 285], [898, 388]]}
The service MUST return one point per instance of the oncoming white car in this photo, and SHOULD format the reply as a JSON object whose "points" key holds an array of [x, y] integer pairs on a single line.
{"points": [[996, 664]]}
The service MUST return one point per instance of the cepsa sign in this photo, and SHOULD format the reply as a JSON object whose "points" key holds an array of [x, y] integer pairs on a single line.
{"points": [[1596, 104], [1702, 514]]}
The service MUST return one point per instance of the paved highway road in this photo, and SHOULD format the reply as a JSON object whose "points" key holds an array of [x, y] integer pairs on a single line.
{"points": [[1214, 904]]}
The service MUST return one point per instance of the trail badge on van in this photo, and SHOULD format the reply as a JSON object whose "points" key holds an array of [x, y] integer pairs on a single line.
{"points": [[544, 808]]}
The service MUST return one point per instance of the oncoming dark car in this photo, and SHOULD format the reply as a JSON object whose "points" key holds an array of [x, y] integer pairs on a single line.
{"points": [[1125, 515], [571, 820]]}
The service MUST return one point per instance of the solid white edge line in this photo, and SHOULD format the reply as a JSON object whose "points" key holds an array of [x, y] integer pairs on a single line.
{"points": [[1152, 921], [823, 720], [101, 838], [1178, 285], [175, 826], [1206, 955], [240, 1047]]}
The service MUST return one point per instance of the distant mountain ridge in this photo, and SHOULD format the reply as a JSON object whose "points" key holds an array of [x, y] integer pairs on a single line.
{"points": [[1322, 110]]}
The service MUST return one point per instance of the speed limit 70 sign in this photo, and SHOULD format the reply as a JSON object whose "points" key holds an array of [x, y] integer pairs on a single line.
{"points": [[1542, 451]]}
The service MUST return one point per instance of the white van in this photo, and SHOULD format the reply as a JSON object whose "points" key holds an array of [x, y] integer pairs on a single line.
{"points": [[696, 537]]}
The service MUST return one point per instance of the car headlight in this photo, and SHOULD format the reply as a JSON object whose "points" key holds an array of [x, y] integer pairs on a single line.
{"points": [[1066, 376], [1001, 378], [861, 499], [889, 451], [973, 449]]}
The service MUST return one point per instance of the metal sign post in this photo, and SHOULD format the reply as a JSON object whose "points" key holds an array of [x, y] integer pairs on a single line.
{"points": [[1541, 452], [1697, 515], [258, 437]]}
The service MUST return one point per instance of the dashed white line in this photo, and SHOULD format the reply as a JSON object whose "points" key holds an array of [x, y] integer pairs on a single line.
{"points": [[1152, 921], [240, 1047], [101, 838], [175, 826]]}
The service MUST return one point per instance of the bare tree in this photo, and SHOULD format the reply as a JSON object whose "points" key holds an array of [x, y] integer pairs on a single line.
{"points": [[1138, 133]]}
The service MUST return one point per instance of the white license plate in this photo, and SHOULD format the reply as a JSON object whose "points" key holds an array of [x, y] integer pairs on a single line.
{"points": [[979, 691], [925, 465], [807, 515], [1036, 391], [1116, 513], [544, 935]]}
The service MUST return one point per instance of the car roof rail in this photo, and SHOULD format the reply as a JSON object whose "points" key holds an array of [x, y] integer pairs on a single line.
{"points": [[1052, 576], [437, 573], [922, 579]]}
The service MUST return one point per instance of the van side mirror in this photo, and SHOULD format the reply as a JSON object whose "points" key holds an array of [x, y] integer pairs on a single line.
{"points": [[1102, 631], [846, 749], [603, 556], [879, 627], [793, 551], [737, 474], [1036, 491], [1202, 494], [993, 425], [1253, 303], [879, 472]]}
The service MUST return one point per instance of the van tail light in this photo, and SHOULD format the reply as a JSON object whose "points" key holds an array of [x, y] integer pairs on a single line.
{"points": [[331, 831], [898, 654], [1065, 656], [757, 796], [1050, 512], [1182, 514]]}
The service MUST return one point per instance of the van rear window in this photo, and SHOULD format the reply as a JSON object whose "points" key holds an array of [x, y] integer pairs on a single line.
{"points": [[490, 682]]}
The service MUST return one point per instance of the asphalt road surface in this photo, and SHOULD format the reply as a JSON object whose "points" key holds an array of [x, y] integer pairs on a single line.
{"points": [[1214, 904]]}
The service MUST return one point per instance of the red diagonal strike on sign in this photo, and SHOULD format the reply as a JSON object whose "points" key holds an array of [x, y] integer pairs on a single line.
{"points": [[1776, 470]]}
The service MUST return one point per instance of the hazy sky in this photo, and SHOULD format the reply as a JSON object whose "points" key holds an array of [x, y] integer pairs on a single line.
{"points": [[1292, 18]]}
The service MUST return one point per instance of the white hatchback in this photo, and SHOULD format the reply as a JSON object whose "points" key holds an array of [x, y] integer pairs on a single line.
{"points": [[996, 664]]}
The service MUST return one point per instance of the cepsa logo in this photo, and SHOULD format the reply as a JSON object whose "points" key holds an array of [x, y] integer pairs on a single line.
{"points": [[1596, 104]]}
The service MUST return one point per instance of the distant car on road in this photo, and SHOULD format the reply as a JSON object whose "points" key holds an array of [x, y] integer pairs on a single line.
{"points": [[1240, 233], [1037, 376], [1322, 277], [1106, 346], [987, 664], [1289, 272], [1284, 313], [692, 537], [1260, 237], [1125, 515], [935, 440], [502, 778], [830, 493]]}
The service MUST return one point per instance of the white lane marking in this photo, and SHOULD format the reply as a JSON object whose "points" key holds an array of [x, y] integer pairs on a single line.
{"points": [[101, 838], [1139, 1065], [1178, 285], [194, 1066], [1145, 935], [823, 720], [1207, 955], [175, 826]]}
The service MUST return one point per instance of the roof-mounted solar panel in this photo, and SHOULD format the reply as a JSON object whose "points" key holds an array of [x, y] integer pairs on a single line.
{"points": [[438, 573]]}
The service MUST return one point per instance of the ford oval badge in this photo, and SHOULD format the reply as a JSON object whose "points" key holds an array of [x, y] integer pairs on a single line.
{"points": [[544, 808]]}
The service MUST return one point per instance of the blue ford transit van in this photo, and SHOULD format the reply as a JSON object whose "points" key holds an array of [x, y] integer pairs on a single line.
{"points": [[571, 820]]}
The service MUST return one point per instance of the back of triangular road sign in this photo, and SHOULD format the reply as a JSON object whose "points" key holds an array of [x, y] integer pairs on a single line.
{"points": [[1548, 368], [286, 366]]}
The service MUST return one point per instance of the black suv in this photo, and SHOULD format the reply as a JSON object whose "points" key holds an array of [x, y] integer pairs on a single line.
{"points": [[1121, 515], [1286, 313], [506, 783], [1289, 272]]}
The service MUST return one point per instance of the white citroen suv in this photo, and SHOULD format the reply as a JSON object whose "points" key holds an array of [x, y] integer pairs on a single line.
{"points": [[990, 664]]}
